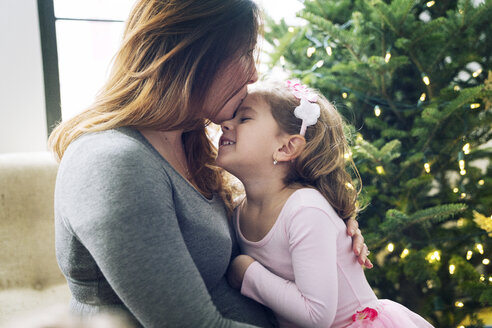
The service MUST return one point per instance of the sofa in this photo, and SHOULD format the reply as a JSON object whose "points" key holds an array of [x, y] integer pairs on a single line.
{"points": [[30, 279]]}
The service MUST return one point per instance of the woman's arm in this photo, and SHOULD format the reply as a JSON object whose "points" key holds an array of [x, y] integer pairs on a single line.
{"points": [[359, 247], [310, 301], [120, 207]]}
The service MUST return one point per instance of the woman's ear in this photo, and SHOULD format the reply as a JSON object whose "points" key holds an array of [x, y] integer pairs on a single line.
{"points": [[292, 147]]}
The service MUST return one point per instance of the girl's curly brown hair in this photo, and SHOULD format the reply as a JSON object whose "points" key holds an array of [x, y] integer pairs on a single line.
{"points": [[322, 163]]}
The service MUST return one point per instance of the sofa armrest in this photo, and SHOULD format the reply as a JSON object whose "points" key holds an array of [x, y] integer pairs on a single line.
{"points": [[28, 262]]}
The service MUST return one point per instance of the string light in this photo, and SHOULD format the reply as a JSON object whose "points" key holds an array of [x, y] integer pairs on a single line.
{"points": [[320, 63], [426, 79], [377, 110], [486, 261], [422, 97], [459, 304], [387, 57], [457, 88], [481, 182], [490, 279], [469, 255], [344, 95], [390, 247], [475, 106], [452, 269], [310, 51], [290, 29], [404, 253], [477, 72], [380, 170], [479, 247], [347, 155], [437, 255], [282, 60], [433, 257], [349, 186], [427, 167], [455, 190], [430, 3], [329, 51], [482, 277], [401, 106], [466, 148], [461, 163], [463, 194]]}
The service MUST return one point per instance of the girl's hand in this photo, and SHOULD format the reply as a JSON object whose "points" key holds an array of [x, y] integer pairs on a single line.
{"points": [[359, 247], [237, 269]]}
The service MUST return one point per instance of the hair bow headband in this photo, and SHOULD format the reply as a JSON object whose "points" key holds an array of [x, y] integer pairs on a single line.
{"points": [[308, 110]]}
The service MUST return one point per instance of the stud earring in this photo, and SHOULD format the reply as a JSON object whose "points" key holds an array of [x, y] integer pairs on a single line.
{"points": [[275, 162]]}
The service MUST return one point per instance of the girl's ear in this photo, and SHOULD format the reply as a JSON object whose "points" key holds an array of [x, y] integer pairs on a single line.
{"points": [[291, 148]]}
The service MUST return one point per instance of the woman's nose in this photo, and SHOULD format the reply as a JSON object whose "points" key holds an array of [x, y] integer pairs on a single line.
{"points": [[254, 77]]}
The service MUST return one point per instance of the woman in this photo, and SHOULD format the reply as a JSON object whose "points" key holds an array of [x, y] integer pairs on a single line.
{"points": [[140, 208]]}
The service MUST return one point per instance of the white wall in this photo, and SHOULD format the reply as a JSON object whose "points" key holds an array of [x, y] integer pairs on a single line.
{"points": [[22, 104]]}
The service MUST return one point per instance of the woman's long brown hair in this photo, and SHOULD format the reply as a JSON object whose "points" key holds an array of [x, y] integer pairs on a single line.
{"points": [[162, 73]]}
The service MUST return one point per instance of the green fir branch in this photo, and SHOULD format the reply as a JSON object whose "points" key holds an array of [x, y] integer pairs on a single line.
{"points": [[437, 213], [419, 182], [390, 151], [281, 49], [417, 157], [328, 27], [385, 13], [465, 97]]}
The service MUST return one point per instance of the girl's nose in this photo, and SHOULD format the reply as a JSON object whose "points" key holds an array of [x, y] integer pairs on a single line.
{"points": [[226, 125]]}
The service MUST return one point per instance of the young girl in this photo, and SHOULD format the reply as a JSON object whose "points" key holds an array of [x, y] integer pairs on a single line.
{"points": [[286, 144]]}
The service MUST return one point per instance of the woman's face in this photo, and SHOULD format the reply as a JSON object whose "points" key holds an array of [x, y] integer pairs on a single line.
{"points": [[226, 84]]}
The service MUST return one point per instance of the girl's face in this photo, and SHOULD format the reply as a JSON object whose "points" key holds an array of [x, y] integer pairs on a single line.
{"points": [[225, 84], [249, 139]]}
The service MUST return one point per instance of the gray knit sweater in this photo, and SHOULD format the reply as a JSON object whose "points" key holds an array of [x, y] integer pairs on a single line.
{"points": [[133, 235]]}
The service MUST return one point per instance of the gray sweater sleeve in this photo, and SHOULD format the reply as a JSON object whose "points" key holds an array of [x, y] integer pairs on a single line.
{"points": [[118, 202]]}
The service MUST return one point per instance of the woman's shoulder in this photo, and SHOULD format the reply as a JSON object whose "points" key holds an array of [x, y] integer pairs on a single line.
{"points": [[111, 153], [113, 146], [114, 141]]}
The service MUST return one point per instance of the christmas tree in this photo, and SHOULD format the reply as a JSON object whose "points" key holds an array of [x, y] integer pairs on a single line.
{"points": [[413, 80]]}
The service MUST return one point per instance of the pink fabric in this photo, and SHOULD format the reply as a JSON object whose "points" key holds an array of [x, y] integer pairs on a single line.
{"points": [[305, 270], [391, 314]]}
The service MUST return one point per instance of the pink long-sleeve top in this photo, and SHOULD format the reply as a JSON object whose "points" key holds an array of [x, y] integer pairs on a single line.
{"points": [[305, 270]]}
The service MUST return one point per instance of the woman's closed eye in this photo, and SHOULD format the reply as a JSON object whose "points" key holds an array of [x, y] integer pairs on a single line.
{"points": [[244, 119]]}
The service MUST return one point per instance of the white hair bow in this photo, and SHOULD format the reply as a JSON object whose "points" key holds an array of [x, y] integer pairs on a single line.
{"points": [[308, 110]]}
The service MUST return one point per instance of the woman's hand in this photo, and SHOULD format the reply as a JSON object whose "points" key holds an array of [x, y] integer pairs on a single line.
{"points": [[237, 269], [359, 247]]}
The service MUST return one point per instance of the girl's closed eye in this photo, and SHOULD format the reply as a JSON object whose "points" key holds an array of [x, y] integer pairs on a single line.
{"points": [[244, 119]]}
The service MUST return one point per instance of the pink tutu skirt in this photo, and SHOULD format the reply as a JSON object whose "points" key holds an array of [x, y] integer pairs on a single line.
{"points": [[388, 314]]}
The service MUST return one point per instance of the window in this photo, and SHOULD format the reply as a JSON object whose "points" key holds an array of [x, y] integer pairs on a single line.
{"points": [[79, 41]]}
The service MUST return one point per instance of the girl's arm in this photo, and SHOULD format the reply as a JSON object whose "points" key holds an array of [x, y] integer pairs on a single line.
{"points": [[310, 301]]}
